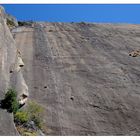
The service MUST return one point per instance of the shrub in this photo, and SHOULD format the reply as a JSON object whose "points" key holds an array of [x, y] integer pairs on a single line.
{"points": [[21, 23], [10, 101], [10, 22], [21, 117], [82, 23], [35, 113], [25, 23]]}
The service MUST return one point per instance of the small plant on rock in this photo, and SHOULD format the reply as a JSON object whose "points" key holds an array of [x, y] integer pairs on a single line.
{"points": [[35, 112], [21, 117], [29, 119], [10, 22], [10, 101]]}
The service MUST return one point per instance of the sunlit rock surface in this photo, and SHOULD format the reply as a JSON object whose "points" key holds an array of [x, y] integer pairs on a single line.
{"points": [[10, 74], [7, 57], [83, 76]]}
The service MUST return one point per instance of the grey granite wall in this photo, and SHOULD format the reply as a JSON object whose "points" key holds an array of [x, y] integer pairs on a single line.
{"points": [[10, 73]]}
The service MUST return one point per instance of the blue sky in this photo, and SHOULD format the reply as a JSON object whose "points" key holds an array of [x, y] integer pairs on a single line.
{"points": [[103, 13]]}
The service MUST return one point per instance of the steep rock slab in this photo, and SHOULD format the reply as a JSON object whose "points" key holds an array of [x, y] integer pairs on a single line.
{"points": [[7, 57], [83, 76]]}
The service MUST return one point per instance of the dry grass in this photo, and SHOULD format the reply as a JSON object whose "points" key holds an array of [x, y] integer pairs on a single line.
{"points": [[25, 132]]}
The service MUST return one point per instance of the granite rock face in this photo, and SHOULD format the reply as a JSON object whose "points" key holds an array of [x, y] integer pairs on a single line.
{"points": [[7, 57], [83, 75], [2, 12], [9, 78]]}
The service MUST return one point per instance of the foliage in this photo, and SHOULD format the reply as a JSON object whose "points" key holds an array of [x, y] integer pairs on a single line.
{"points": [[10, 101], [10, 22], [35, 113], [26, 132], [21, 117], [25, 23]]}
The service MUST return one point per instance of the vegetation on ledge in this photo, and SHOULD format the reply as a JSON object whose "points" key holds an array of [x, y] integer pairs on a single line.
{"points": [[29, 121], [10, 101], [25, 23]]}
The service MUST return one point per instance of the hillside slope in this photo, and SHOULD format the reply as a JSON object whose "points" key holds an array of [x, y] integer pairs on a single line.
{"points": [[83, 76]]}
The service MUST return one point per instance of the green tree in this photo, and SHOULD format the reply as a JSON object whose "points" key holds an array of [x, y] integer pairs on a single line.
{"points": [[10, 101]]}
